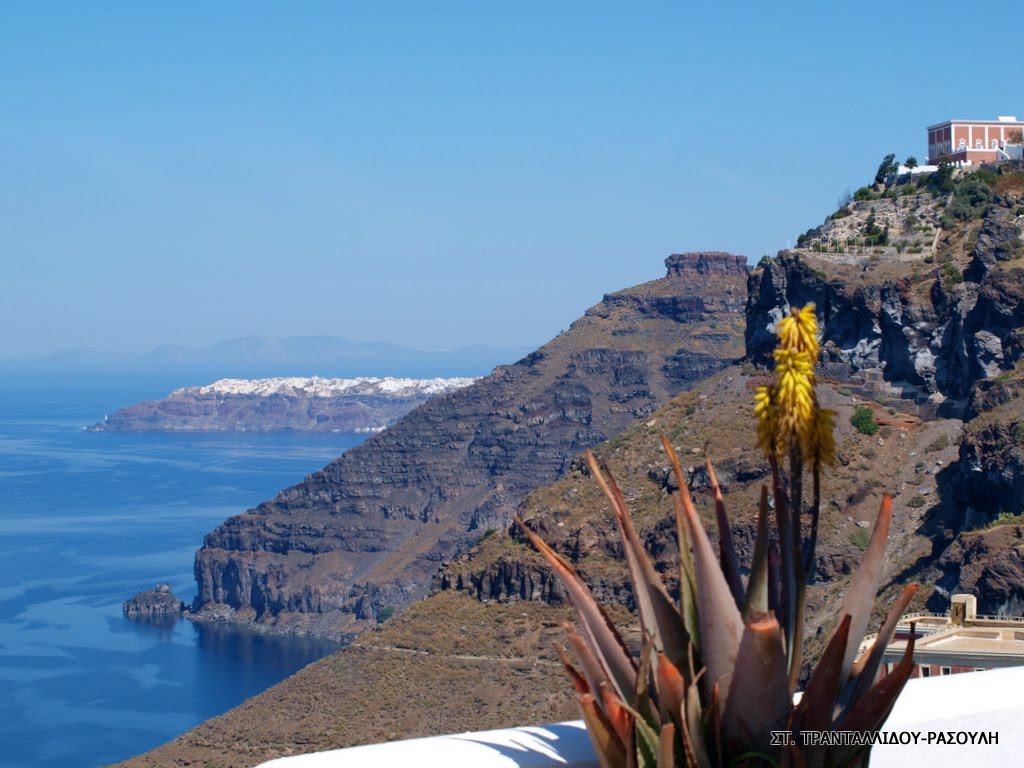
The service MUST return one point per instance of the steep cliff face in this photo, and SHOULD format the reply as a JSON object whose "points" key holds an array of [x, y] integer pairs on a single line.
{"points": [[931, 327], [988, 564], [370, 529]]}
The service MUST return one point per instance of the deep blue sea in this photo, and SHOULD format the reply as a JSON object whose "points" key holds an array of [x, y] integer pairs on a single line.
{"points": [[88, 519]]}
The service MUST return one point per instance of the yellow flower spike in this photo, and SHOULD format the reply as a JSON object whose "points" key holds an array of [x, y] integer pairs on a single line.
{"points": [[799, 331], [794, 397], [822, 438], [764, 411]]}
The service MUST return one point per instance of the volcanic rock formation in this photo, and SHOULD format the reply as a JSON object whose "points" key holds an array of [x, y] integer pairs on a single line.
{"points": [[369, 531]]}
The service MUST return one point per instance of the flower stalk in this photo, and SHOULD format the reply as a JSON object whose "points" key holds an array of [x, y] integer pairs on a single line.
{"points": [[717, 670]]}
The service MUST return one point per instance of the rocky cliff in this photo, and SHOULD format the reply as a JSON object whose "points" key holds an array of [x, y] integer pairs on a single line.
{"points": [[882, 319], [929, 327], [308, 404], [370, 530]]}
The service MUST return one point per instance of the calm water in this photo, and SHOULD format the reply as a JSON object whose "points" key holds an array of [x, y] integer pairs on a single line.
{"points": [[88, 519]]}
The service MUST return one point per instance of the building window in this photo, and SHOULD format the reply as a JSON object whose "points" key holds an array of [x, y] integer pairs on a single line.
{"points": [[926, 671], [980, 669], [979, 144], [945, 670], [995, 143], [963, 144]]}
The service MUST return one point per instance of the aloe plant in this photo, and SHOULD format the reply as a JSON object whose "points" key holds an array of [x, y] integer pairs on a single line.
{"points": [[714, 682]]}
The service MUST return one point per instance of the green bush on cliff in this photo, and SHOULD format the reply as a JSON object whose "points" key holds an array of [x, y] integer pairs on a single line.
{"points": [[863, 420]]}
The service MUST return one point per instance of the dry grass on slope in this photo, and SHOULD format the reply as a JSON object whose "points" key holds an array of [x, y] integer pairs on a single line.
{"points": [[447, 664]]}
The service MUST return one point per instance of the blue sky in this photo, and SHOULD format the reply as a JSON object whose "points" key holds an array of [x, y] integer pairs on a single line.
{"points": [[435, 173]]}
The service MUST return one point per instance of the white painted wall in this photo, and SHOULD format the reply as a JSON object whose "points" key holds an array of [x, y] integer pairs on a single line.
{"points": [[989, 702]]}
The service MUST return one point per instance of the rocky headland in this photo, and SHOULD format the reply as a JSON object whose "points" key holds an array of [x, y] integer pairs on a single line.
{"points": [[310, 404], [368, 532]]}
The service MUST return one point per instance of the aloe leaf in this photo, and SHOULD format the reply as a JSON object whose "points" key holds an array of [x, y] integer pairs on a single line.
{"points": [[611, 752], [756, 599], [578, 681], [865, 669], [861, 595], [601, 632], [817, 705], [671, 687], [787, 609], [593, 671], [774, 579], [666, 746], [647, 742], [658, 616], [758, 701], [871, 712], [726, 546], [720, 624], [693, 731], [645, 706], [618, 712], [687, 585]]}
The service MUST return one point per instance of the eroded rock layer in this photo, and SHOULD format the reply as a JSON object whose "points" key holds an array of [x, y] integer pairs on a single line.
{"points": [[367, 533]]}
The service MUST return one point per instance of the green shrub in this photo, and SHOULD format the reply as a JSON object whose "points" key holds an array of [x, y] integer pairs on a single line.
{"points": [[971, 199], [859, 538], [385, 613], [486, 535], [1017, 431], [951, 275], [940, 443], [863, 420], [917, 501], [1006, 518], [844, 392]]}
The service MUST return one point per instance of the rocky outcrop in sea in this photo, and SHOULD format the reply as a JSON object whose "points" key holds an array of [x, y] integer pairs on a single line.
{"points": [[156, 602]]}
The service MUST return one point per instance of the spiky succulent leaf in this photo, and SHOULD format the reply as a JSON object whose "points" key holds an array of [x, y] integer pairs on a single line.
{"points": [[667, 746], [726, 547], [719, 618], [758, 701], [687, 582], [865, 669], [610, 751], [871, 712], [860, 597], [756, 599], [817, 705], [601, 632], [658, 616], [578, 681]]}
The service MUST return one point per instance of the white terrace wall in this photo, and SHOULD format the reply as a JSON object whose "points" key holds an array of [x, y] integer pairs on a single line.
{"points": [[942, 709]]}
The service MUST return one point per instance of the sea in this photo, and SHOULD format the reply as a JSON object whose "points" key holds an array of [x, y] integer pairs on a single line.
{"points": [[87, 519]]}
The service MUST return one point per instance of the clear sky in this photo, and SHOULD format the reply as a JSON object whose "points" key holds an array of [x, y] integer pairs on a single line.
{"points": [[437, 173]]}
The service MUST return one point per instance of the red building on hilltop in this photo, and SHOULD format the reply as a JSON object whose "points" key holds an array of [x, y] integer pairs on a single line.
{"points": [[972, 141]]}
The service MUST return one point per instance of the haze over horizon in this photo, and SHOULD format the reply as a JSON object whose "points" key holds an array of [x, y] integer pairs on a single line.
{"points": [[431, 176]]}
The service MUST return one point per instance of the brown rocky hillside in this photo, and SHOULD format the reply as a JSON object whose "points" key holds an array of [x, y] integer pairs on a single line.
{"points": [[368, 532], [933, 346]]}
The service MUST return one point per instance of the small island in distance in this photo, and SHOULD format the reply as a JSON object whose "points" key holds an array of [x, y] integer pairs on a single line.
{"points": [[300, 404]]}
